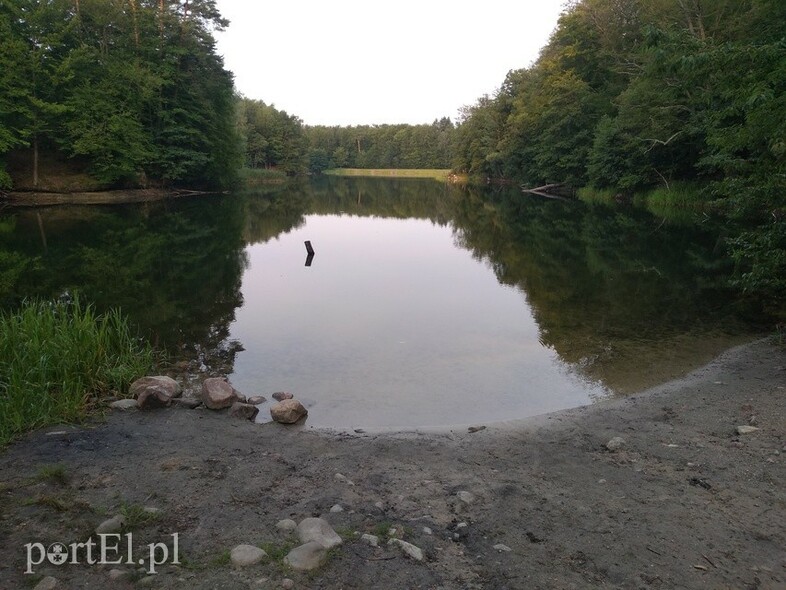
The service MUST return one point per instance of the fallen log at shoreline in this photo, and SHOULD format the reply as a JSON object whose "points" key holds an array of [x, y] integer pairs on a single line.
{"points": [[112, 197], [543, 191]]}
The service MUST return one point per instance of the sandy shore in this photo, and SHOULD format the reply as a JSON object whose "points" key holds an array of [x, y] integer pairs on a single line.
{"points": [[684, 502]]}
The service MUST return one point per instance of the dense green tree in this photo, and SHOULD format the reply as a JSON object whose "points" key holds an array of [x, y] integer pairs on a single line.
{"points": [[134, 88]]}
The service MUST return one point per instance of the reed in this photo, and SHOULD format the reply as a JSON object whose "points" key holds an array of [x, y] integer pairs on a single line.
{"points": [[59, 359]]}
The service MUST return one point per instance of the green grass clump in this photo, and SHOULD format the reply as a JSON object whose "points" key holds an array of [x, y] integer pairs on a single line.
{"points": [[57, 360], [436, 174], [602, 196], [254, 176]]}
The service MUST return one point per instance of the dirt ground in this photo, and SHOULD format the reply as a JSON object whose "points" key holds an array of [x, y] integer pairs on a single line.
{"points": [[685, 502]]}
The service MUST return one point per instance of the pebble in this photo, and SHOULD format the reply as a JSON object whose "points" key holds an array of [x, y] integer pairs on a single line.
{"points": [[465, 496], [747, 429], [379, 505], [117, 574], [372, 540], [500, 547], [342, 479], [47, 583], [287, 583], [306, 557], [336, 508], [124, 404], [287, 525], [427, 531], [408, 548], [615, 443], [244, 555], [318, 530], [111, 525]]}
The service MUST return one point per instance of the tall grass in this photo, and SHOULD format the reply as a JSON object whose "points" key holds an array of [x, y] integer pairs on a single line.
{"points": [[436, 174], [58, 359]]}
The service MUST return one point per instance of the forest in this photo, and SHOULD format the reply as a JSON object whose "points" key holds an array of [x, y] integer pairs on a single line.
{"points": [[131, 92], [686, 97]]}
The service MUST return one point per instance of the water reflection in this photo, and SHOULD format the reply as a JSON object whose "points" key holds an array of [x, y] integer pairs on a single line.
{"points": [[424, 297]]}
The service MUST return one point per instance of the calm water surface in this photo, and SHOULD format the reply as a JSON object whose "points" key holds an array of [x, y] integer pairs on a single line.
{"points": [[423, 306]]}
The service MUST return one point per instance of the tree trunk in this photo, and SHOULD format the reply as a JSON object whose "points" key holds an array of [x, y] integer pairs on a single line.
{"points": [[35, 160]]}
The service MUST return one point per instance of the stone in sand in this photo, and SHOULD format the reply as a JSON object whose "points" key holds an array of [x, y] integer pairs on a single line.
{"points": [[154, 392], [243, 411], [288, 411], [217, 393], [306, 557], [319, 530], [244, 555]]}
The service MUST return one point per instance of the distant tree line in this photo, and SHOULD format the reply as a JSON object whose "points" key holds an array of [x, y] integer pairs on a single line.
{"points": [[275, 139], [132, 88], [633, 94]]}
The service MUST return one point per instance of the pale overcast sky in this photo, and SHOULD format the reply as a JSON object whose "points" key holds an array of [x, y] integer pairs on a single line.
{"points": [[351, 62]]}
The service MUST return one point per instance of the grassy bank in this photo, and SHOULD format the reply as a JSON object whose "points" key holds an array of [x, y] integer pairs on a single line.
{"points": [[57, 360], [675, 201], [254, 176], [436, 174]]}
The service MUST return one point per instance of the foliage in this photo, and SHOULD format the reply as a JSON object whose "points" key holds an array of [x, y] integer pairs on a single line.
{"points": [[135, 88], [58, 359], [381, 146], [630, 95]]}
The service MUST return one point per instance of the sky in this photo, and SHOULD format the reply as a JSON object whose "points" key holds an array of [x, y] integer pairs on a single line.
{"points": [[354, 62]]}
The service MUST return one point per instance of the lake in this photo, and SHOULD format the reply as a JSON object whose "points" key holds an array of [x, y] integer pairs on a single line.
{"points": [[424, 305]]}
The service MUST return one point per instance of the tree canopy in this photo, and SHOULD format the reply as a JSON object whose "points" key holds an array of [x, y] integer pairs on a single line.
{"points": [[133, 88]]}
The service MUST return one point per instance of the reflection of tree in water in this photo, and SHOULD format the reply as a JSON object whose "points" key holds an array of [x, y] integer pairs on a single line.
{"points": [[618, 294], [174, 268], [612, 292]]}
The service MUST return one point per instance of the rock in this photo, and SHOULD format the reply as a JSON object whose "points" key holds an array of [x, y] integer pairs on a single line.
{"points": [[427, 531], [343, 479], [154, 392], [379, 505], [501, 547], [615, 443], [257, 399], [287, 525], [306, 557], [287, 583], [288, 411], [244, 555], [747, 429], [111, 526], [282, 395], [319, 530], [372, 540], [187, 402], [148, 580], [47, 583], [408, 549], [465, 497], [217, 393], [243, 411], [124, 404], [336, 508], [473, 429]]}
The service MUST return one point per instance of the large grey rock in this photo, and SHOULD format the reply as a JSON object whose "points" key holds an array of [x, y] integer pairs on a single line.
{"points": [[306, 557], [243, 411], [217, 393], [319, 530], [154, 392], [244, 555], [288, 411]]}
